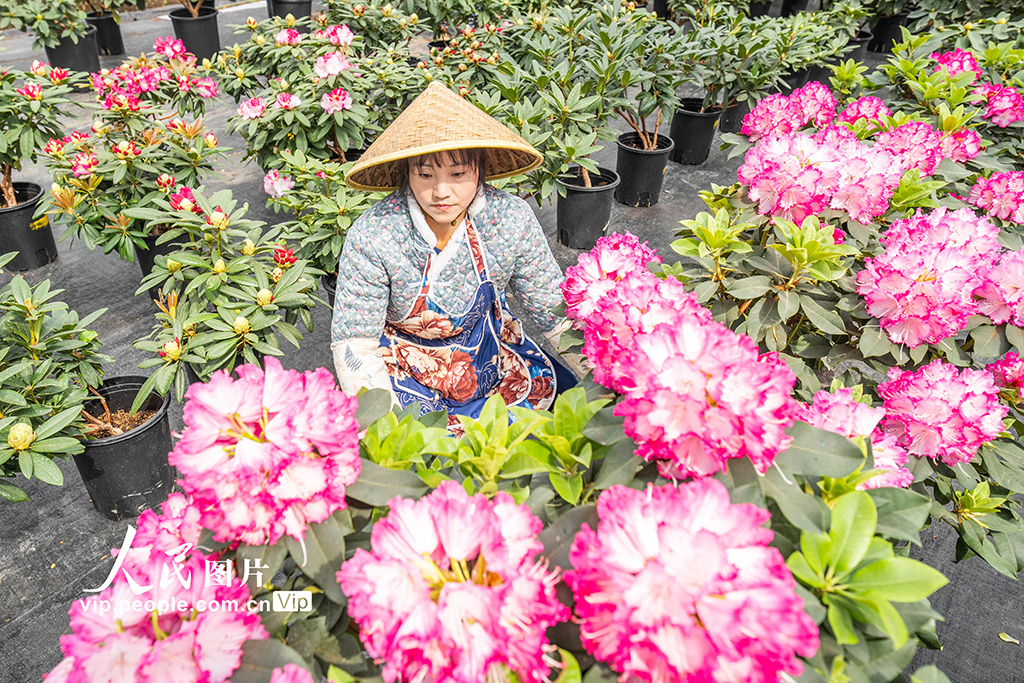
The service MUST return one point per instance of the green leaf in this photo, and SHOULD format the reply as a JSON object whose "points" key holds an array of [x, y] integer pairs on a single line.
{"points": [[842, 624], [749, 287], [604, 428], [272, 556], [619, 467], [599, 673], [377, 485], [12, 493], [929, 674], [58, 422], [373, 405], [261, 657], [820, 452], [899, 579], [558, 537], [874, 342], [901, 513], [570, 669], [44, 470], [827, 321], [805, 512], [306, 634], [324, 552], [854, 518]]}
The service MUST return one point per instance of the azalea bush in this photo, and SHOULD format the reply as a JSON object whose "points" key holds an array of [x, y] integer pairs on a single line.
{"points": [[226, 295], [49, 357]]}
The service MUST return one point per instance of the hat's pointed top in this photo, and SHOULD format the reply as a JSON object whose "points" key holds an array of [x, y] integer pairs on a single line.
{"points": [[436, 121]]}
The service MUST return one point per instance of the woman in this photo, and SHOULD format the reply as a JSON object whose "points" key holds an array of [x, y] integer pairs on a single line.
{"points": [[420, 304]]}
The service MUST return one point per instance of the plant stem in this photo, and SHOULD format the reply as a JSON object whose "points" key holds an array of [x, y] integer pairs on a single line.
{"points": [[8, 186], [586, 177]]}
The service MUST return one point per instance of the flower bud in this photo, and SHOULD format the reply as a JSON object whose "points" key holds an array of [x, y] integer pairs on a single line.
{"points": [[241, 326], [217, 219], [251, 23], [21, 436], [264, 297], [248, 248], [173, 266], [211, 140], [276, 274], [219, 268], [171, 351]]}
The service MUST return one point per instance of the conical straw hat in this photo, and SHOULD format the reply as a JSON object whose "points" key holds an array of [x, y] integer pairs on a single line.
{"points": [[439, 120]]}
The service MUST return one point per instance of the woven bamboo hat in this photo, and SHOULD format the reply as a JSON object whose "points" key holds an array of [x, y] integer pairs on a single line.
{"points": [[439, 120]]}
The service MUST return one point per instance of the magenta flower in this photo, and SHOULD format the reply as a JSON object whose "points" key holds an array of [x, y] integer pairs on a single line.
{"points": [[679, 585], [1002, 294], [452, 591], [916, 142], [340, 34], [331, 64], [287, 101], [206, 87], [1004, 105], [1008, 372], [866, 107], [778, 115], [268, 454], [251, 109], [170, 47], [337, 100], [961, 145], [922, 287], [597, 271], [957, 62], [276, 184], [1001, 195], [288, 36], [83, 163], [290, 673], [942, 412]]}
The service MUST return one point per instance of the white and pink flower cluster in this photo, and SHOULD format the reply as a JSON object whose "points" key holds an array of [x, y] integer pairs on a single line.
{"points": [[452, 590], [175, 639], [696, 393], [922, 288], [137, 78], [678, 584], [277, 184], [778, 115], [957, 62], [1003, 104], [839, 412], [1001, 195], [269, 453], [942, 412], [1008, 372]]}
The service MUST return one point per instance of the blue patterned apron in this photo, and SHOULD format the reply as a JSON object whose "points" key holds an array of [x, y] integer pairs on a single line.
{"points": [[455, 363]]}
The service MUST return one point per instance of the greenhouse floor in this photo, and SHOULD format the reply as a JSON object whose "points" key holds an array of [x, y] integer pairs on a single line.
{"points": [[57, 545]]}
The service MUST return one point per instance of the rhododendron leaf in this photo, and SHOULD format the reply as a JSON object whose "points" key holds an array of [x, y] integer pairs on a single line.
{"points": [[918, 353], [569, 487], [324, 553], [854, 518], [12, 493], [57, 422], [842, 624], [750, 287], [811, 346], [805, 512], [531, 458], [1015, 335], [816, 549], [898, 579], [827, 321], [599, 673], [373, 405], [820, 452], [305, 635], [874, 341], [261, 657], [1008, 475], [558, 537], [271, 556], [705, 290], [377, 485], [25, 463], [45, 470], [789, 304], [619, 466], [929, 674], [803, 570], [901, 513], [605, 427], [570, 669], [336, 675]]}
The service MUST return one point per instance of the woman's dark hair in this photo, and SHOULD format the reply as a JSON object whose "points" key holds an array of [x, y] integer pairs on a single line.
{"points": [[470, 157]]}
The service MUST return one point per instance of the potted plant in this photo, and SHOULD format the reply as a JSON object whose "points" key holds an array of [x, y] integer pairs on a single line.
{"points": [[846, 18], [228, 292], [379, 24], [59, 27], [323, 206], [135, 155], [195, 23], [104, 15], [29, 116], [48, 360]]}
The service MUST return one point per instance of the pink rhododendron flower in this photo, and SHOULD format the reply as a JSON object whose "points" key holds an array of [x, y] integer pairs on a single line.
{"points": [[1008, 372], [1004, 105], [288, 36], [1001, 194], [452, 590], [160, 625], [778, 115], [866, 107], [31, 91], [916, 142], [337, 100], [58, 75], [183, 200], [286, 100], [331, 64], [922, 287], [942, 412], [679, 585], [269, 453], [170, 47], [276, 184], [340, 35], [38, 68], [123, 101], [206, 87], [83, 163], [1002, 294], [839, 412], [816, 104], [961, 146], [957, 62], [290, 673], [252, 108], [596, 272]]}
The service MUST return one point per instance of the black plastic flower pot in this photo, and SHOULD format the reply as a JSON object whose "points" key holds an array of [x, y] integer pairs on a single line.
{"points": [[887, 32], [296, 8], [732, 117], [32, 239], [860, 46], [584, 213], [693, 131], [199, 34], [439, 45], [661, 8], [759, 9], [820, 73], [81, 56], [791, 7], [793, 81], [140, 4], [329, 281], [147, 257], [641, 171], [128, 473], [108, 33]]}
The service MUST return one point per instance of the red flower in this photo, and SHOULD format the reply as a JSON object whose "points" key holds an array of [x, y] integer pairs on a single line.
{"points": [[284, 258]]}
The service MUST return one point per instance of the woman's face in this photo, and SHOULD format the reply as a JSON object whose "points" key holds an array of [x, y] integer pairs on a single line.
{"points": [[443, 187]]}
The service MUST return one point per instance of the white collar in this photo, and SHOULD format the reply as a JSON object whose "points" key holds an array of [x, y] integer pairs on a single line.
{"points": [[440, 260]]}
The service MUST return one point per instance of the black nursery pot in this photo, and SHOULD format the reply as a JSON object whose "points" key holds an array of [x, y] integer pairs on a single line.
{"points": [[128, 473], [791, 7], [860, 45], [108, 33], [887, 31], [296, 8], [759, 9], [32, 239], [585, 212], [199, 34], [732, 117], [81, 56], [329, 281], [661, 8], [147, 257], [693, 132], [641, 171]]}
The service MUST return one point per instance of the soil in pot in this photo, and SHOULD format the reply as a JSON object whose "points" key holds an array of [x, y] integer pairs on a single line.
{"points": [[199, 34], [81, 56], [585, 212], [31, 238], [108, 33], [693, 131], [127, 473], [641, 171]]}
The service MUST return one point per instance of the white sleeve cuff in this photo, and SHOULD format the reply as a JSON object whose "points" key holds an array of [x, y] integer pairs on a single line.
{"points": [[358, 364]]}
